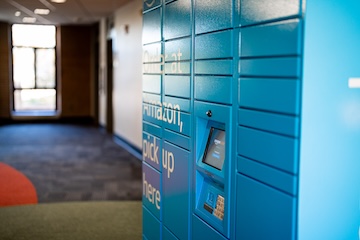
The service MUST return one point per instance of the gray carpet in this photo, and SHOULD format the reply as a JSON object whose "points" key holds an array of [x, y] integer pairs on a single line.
{"points": [[68, 162], [120, 220]]}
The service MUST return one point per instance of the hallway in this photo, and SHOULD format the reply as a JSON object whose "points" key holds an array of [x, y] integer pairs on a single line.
{"points": [[67, 162]]}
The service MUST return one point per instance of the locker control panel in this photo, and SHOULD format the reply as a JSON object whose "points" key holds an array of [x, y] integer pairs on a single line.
{"points": [[215, 207]]}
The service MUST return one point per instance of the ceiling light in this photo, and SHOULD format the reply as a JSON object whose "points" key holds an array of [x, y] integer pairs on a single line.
{"points": [[41, 11], [17, 13], [29, 20], [58, 1]]}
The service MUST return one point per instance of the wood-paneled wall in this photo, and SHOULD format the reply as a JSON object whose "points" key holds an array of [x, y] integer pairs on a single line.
{"points": [[5, 70], [75, 70]]}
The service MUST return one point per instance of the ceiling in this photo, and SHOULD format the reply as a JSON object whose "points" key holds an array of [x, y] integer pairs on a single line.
{"points": [[70, 12]]}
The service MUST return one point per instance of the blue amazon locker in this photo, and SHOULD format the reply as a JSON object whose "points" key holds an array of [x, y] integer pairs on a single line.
{"points": [[251, 119]]}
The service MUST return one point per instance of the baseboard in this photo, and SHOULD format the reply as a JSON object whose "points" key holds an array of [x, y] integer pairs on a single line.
{"points": [[132, 149]]}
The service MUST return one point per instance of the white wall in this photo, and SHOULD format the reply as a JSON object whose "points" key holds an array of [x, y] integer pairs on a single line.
{"points": [[127, 89], [102, 73]]}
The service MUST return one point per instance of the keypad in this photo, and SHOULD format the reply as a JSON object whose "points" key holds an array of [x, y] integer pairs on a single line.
{"points": [[219, 209]]}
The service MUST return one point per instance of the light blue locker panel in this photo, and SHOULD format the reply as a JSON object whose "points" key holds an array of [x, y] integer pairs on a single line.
{"points": [[205, 86], [289, 67], [151, 98], [274, 150], [177, 19], [153, 128], [276, 123], [275, 39], [214, 67], [151, 198], [263, 212], [181, 104], [214, 45], [177, 139], [152, 53], [177, 121], [177, 86], [329, 187], [152, 83], [201, 230], [151, 151], [167, 235], [213, 15], [255, 11], [175, 190], [151, 226], [270, 176], [178, 50], [274, 95], [152, 26], [152, 68], [177, 68], [149, 4]]}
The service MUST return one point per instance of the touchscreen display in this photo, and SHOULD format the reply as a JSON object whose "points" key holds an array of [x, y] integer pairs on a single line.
{"points": [[215, 149]]}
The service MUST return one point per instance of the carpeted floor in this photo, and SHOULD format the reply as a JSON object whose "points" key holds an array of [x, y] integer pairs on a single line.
{"points": [[72, 221], [68, 162]]}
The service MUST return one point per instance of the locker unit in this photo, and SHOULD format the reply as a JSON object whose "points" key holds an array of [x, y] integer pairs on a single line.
{"points": [[250, 119]]}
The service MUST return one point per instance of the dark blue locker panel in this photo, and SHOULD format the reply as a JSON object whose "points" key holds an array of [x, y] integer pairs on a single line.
{"points": [[177, 68], [214, 45], [201, 230], [148, 4], [151, 226], [177, 19], [167, 235], [177, 86], [151, 198], [177, 139], [205, 86], [275, 95], [150, 127], [152, 26], [268, 175], [152, 83], [177, 121], [274, 150], [152, 53], [289, 67], [255, 11], [277, 123], [214, 67], [175, 190], [151, 151], [178, 50], [263, 212], [275, 39], [212, 15], [181, 104]]}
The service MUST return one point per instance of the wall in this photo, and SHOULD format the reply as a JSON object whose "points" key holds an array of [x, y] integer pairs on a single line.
{"points": [[127, 86], [76, 63], [102, 72], [5, 70]]}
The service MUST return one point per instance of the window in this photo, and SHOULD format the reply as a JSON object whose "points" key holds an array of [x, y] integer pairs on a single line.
{"points": [[34, 71]]}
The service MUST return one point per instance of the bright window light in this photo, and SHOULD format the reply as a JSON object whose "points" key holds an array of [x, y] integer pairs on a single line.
{"points": [[34, 67], [34, 36]]}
